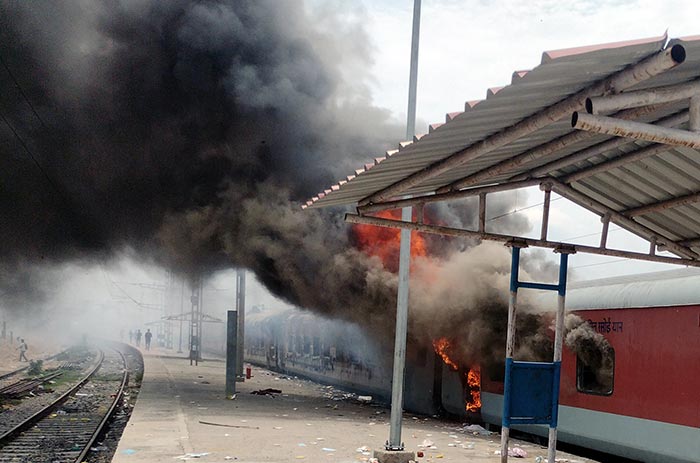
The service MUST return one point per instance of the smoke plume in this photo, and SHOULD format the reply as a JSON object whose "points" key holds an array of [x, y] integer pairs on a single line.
{"points": [[183, 131], [591, 348], [188, 133]]}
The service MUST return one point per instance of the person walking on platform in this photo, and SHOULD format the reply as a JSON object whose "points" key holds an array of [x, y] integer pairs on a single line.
{"points": [[131, 337], [148, 337], [22, 351], [138, 338]]}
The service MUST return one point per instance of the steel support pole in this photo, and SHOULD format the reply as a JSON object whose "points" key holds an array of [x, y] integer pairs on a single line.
{"points": [[694, 114], [399, 368], [231, 352], [545, 212], [510, 344], [413, 76], [654, 96], [397, 384], [635, 130], [200, 319], [604, 234], [558, 346], [240, 308], [194, 322], [608, 145], [182, 314]]}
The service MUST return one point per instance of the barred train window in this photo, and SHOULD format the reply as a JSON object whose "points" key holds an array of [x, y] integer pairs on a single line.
{"points": [[596, 374]]}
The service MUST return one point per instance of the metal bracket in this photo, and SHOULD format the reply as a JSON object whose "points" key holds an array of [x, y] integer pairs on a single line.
{"points": [[394, 448], [516, 243], [565, 249]]}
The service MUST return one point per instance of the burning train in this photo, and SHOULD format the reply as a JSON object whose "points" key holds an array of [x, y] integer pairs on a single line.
{"points": [[640, 400]]}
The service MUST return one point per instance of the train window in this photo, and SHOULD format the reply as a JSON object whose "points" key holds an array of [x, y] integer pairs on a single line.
{"points": [[597, 374]]}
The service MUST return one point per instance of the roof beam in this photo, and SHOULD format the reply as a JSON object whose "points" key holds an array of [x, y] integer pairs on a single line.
{"points": [[635, 130], [670, 121], [417, 200], [538, 152], [659, 95], [569, 247], [626, 78], [614, 163], [690, 243], [694, 110], [663, 205], [619, 219]]}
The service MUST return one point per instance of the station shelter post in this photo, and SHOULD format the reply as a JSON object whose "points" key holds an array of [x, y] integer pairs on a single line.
{"points": [[531, 389], [231, 352]]}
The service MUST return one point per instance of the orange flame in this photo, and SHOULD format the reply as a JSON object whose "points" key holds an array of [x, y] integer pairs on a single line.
{"points": [[472, 376], [442, 346], [386, 242], [474, 383]]}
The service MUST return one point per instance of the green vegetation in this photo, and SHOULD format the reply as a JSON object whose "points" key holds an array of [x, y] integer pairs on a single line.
{"points": [[35, 367]]}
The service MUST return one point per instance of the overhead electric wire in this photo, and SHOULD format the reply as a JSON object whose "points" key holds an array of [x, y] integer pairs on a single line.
{"points": [[521, 209], [73, 213], [590, 234], [565, 239], [123, 291], [31, 155], [21, 92]]}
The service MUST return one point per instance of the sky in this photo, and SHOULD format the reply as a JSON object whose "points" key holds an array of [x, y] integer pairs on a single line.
{"points": [[467, 47]]}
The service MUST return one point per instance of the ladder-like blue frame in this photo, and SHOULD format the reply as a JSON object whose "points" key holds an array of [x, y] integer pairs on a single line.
{"points": [[531, 389]]}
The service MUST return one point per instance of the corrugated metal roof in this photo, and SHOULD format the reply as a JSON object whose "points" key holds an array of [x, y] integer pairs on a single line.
{"points": [[672, 173]]}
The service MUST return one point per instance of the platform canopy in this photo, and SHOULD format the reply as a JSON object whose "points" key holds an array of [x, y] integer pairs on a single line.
{"points": [[614, 128]]}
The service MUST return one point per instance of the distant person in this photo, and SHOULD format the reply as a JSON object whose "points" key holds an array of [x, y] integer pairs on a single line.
{"points": [[131, 337], [22, 351], [148, 337], [121, 334], [138, 338]]}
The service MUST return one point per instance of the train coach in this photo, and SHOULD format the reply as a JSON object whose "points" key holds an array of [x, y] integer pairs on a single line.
{"points": [[645, 406]]}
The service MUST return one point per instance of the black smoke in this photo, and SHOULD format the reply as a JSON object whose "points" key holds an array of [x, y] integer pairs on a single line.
{"points": [[186, 131], [189, 133]]}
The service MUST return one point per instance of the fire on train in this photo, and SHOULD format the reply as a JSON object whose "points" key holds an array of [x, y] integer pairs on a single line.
{"points": [[647, 407]]}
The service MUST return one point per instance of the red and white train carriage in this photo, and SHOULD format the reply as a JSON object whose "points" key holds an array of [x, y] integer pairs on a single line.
{"points": [[649, 408]]}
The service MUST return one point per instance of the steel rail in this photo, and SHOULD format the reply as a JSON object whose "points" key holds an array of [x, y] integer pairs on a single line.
{"points": [[26, 424], [110, 412], [27, 384]]}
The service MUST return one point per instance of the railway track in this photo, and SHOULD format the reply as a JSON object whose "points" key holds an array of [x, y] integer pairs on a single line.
{"points": [[26, 385], [66, 429], [7, 377]]}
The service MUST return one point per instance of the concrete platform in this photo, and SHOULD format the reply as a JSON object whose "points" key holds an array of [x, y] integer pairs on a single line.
{"points": [[181, 414]]}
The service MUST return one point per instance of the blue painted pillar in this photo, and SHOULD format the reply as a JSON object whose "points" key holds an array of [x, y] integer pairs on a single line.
{"points": [[531, 389]]}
